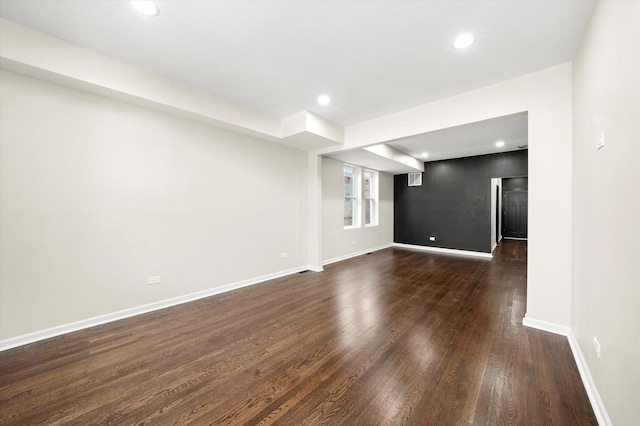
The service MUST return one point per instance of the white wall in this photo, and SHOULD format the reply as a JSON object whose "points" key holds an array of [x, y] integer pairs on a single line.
{"points": [[97, 195], [606, 205], [337, 241]]}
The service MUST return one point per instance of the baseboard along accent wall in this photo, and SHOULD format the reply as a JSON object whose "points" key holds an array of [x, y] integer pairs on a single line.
{"points": [[444, 250]]}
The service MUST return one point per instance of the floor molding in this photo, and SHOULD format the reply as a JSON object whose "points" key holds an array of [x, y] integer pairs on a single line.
{"points": [[36, 336], [587, 380], [444, 250], [589, 384], [314, 268], [355, 254], [546, 326]]}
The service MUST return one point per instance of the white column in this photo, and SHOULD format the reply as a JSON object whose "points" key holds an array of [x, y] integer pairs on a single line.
{"points": [[314, 212]]}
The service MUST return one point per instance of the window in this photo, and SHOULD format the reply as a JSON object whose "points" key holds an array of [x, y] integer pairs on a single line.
{"points": [[360, 197], [351, 196], [370, 198]]}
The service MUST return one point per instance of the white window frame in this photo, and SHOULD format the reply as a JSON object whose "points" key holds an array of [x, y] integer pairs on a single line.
{"points": [[372, 200], [355, 197]]}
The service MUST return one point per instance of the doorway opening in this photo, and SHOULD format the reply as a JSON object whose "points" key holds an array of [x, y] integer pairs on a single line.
{"points": [[509, 209], [515, 199]]}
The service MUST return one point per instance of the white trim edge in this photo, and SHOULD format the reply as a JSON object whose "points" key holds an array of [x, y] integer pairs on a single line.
{"points": [[546, 326], [590, 386], [356, 254], [314, 268], [25, 339], [444, 250]]}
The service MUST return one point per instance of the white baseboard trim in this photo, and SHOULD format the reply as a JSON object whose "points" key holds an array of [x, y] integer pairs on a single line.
{"points": [[444, 250], [590, 386], [356, 254], [314, 268], [493, 247], [546, 326], [25, 339], [587, 380]]}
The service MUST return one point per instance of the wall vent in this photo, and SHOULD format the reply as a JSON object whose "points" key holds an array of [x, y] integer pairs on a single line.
{"points": [[415, 179]]}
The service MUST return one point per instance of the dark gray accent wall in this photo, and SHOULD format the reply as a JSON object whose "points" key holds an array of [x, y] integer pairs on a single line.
{"points": [[454, 202]]}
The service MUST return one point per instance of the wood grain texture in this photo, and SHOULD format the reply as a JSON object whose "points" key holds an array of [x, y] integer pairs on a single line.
{"points": [[395, 337]]}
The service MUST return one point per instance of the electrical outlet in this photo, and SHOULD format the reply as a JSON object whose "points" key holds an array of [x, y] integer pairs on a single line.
{"points": [[596, 347], [154, 280], [432, 238], [284, 255]]}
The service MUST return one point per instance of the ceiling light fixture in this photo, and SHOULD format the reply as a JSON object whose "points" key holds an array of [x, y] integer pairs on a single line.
{"points": [[499, 144], [425, 155], [146, 7], [324, 100], [463, 40]]}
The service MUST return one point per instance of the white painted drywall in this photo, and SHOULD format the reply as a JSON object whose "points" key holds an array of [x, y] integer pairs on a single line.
{"points": [[98, 195], [337, 241], [30, 52], [606, 205]]}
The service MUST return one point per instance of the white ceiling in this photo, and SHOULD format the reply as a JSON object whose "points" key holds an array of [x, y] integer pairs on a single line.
{"points": [[455, 142], [471, 139], [372, 57]]}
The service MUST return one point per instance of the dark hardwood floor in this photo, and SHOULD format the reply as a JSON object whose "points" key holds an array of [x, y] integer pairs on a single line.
{"points": [[394, 337]]}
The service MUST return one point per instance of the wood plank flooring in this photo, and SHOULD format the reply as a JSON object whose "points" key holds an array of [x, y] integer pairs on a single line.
{"points": [[395, 337]]}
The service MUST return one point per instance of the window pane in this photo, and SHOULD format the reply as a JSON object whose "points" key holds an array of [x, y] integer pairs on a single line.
{"points": [[348, 212], [348, 181], [370, 188], [367, 184], [348, 186], [367, 212]]}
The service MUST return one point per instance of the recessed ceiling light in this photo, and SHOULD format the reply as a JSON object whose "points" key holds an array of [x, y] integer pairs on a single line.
{"points": [[463, 40], [146, 7], [499, 144], [324, 100], [425, 155]]}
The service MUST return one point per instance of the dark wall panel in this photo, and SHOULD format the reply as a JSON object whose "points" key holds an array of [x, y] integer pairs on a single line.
{"points": [[454, 202]]}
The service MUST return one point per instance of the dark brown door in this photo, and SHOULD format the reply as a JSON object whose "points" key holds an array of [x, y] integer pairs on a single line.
{"points": [[514, 214]]}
